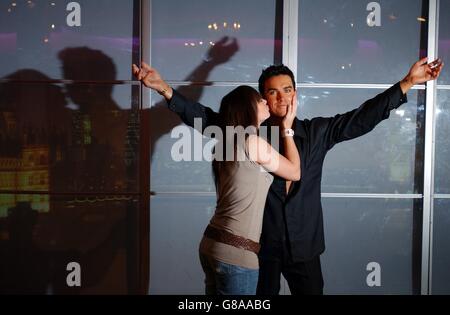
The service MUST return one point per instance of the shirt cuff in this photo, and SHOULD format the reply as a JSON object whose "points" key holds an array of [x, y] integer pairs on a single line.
{"points": [[396, 96], [177, 103]]}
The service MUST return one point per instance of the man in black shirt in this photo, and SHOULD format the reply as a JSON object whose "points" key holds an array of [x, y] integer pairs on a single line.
{"points": [[292, 238]]}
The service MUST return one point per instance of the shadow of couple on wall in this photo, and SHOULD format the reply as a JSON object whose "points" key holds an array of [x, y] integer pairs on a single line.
{"points": [[74, 150]]}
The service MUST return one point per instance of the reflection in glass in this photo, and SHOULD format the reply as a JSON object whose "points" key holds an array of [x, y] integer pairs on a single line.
{"points": [[384, 160], [73, 138], [336, 44], [179, 32], [41, 234], [106, 25], [361, 231]]}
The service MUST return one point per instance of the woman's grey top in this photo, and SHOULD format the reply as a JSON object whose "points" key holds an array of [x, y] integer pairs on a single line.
{"points": [[242, 188]]}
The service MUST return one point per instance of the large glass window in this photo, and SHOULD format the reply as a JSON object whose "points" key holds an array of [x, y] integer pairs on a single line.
{"points": [[40, 235], [34, 33], [75, 147], [440, 274], [339, 42], [70, 147], [177, 226], [83, 136], [389, 151], [379, 259], [200, 43], [351, 41], [442, 175], [190, 33]]}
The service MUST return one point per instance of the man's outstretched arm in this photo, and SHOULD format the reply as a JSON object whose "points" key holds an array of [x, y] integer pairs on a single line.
{"points": [[187, 110], [363, 119]]}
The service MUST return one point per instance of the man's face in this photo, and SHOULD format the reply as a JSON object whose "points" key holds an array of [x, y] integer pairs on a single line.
{"points": [[278, 91]]}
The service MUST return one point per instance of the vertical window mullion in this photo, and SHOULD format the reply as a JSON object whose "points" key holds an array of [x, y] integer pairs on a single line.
{"points": [[290, 34], [429, 154], [146, 39]]}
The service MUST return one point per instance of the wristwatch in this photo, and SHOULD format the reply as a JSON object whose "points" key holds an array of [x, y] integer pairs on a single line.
{"points": [[288, 133]]}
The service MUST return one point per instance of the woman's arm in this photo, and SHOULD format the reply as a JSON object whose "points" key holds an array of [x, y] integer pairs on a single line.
{"points": [[263, 153]]}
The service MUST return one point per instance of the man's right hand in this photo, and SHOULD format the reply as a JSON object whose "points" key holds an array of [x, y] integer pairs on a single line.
{"points": [[152, 79]]}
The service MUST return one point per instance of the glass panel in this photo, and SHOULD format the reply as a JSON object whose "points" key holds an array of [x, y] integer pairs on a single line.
{"points": [[167, 174], [73, 138], [444, 40], [380, 231], [186, 30], [177, 225], [364, 231], [337, 45], [442, 173], [41, 234], [389, 150], [441, 251], [47, 40]]}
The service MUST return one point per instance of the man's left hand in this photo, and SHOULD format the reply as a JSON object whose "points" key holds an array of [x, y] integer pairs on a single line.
{"points": [[421, 72]]}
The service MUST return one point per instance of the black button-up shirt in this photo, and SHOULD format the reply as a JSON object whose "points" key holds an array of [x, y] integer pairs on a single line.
{"points": [[296, 219]]}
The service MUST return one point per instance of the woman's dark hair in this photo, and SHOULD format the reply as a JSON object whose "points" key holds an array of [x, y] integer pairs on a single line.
{"points": [[237, 108], [273, 71]]}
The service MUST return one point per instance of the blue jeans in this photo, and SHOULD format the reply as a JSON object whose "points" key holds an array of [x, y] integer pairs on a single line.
{"points": [[226, 279]]}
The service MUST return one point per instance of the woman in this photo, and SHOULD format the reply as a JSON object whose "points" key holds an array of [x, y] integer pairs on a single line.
{"points": [[229, 247]]}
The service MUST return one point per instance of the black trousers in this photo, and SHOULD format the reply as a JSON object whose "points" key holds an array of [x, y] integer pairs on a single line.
{"points": [[303, 278]]}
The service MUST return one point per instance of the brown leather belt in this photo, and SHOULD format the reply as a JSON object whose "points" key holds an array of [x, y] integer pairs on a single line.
{"points": [[231, 239]]}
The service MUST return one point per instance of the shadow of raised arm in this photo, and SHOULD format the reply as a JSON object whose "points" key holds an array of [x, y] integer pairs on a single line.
{"points": [[162, 120]]}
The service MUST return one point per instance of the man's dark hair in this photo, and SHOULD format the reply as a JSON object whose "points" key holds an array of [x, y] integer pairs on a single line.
{"points": [[274, 71]]}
